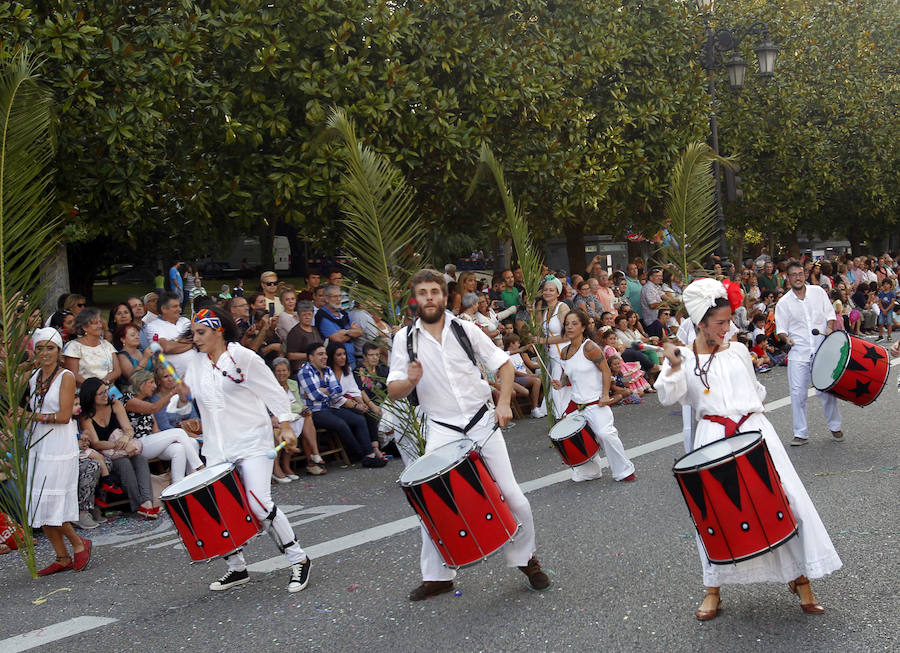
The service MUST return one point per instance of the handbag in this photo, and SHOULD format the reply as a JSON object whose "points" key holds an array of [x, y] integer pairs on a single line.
{"points": [[116, 454]]}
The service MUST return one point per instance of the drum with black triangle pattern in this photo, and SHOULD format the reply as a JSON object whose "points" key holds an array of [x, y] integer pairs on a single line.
{"points": [[574, 440], [735, 498], [850, 368]]}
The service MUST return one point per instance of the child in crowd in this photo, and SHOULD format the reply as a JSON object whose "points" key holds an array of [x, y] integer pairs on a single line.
{"points": [[886, 308], [619, 390], [761, 360], [526, 375]]}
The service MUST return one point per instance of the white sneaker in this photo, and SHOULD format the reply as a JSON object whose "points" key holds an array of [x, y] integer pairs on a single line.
{"points": [[85, 521], [538, 413]]}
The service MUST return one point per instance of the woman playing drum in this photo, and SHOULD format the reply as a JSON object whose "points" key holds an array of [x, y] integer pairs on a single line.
{"points": [[234, 388], [717, 379], [584, 366]]}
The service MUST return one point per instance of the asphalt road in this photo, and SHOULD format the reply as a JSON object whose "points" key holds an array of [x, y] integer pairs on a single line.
{"points": [[623, 560]]}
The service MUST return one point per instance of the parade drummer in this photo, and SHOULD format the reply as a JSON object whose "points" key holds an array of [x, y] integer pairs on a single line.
{"points": [[457, 403], [717, 379], [585, 367], [235, 391], [803, 317]]}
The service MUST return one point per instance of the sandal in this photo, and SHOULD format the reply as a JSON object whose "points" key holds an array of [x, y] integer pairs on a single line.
{"points": [[148, 513], [706, 615], [810, 608], [4, 549]]}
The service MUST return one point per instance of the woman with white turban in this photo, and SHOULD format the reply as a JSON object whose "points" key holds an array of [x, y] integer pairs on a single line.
{"points": [[717, 379], [53, 455], [552, 318]]}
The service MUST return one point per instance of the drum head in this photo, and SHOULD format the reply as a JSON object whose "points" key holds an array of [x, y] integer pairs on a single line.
{"points": [[713, 452], [567, 426], [196, 480], [830, 360], [436, 462]]}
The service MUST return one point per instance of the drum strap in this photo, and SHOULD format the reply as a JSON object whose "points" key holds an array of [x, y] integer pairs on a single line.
{"points": [[472, 422], [572, 407], [731, 427]]}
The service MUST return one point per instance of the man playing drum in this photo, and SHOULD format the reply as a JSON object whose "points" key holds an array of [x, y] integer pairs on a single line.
{"points": [[457, 403], [717, 379], [803, 317]]}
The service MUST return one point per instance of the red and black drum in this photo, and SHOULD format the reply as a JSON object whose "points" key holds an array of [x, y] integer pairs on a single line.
{"points": [[211, 512], [735, 498], [850, 368], [574, 440], [459, 503]]}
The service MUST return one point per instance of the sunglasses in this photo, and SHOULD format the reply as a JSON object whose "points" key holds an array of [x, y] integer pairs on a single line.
{"points": [[81, 305], [270, 283]]}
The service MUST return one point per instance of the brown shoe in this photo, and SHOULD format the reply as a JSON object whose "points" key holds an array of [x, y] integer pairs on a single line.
{"points": [[712, 613], [430, 588], [837, 436], [538, 579]]}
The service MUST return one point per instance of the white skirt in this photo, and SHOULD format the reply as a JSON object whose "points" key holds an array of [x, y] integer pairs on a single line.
{"points": [[809, 553], [53, 475]]}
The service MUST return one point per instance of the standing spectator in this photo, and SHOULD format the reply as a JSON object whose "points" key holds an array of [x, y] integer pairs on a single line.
{"points": [[288, 318], [651, 296], [159, 281], [767, 279], [168, 328], [449, 272], [336, 278], [510, 293], [334, 323], [633, 283], [886, 300], [176, 283], [302, 336], [189, 276], [604, 293], [53, 457], [313, 279], [268, 281], [90, 355], [324, 396], [238, 290], [318, 299]]}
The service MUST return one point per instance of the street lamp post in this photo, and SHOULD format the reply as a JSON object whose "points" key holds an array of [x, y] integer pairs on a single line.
{"points": [[717, 43]]}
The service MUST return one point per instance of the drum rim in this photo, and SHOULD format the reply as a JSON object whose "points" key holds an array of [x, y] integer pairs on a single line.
{"points": [[769, 549], [839, 332], [444, 470], [227, 468], [571, 415], [719, 461]]}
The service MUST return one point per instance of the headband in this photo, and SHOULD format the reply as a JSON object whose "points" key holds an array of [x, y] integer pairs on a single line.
{"points": [[207, 318], [556, 282]]}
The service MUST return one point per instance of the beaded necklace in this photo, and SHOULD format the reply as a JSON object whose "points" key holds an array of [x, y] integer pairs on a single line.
{"points": [[225, 372], [702, 371]]}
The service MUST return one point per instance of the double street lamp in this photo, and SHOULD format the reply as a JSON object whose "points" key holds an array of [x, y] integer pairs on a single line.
{"points": [[717, 44]]}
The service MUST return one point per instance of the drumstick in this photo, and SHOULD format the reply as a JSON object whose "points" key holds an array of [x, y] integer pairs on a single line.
{"points": [[156, 348], [274, 452]]}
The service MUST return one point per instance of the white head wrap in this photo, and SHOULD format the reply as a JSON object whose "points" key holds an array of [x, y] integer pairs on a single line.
{"points": [[556, 282], [47, 333], [700, 296]]}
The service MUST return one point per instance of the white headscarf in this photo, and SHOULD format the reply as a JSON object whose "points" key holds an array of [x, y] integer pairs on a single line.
{"points": [[700, 296], [47, 333], [556, 282]]}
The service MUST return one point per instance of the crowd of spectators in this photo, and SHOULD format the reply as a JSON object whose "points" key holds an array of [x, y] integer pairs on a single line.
{"points": [[328, 352]]}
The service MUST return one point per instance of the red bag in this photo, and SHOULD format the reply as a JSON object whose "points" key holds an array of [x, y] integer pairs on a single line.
{"points": [[9, 530]]}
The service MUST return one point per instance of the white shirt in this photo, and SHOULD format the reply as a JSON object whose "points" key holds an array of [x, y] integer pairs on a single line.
{"points": [[797, 318], [235, 416], [149, 317], [168, 331], [451, 389]]}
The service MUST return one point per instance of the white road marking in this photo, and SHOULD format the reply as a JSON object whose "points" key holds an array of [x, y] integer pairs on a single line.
{"points": [[43, 636]]}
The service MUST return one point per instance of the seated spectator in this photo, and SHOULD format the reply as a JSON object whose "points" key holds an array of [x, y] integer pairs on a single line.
{"points": [[131, 358], [302, 424], [238, 289], [586, 301], [239, 308], [336, 278], [635, 381], [375, 330], [91, 465], [75, 303], [325, 397], [107, 428], [262, 338], [619, 391], [169, 328], [288, 318], [622, 303], [632, 348], [302, 335], [335, 324], [526, 373], [761, 360], [136, 304], [64, 322], [469, 307], [119, 315], [151, 307], [174, 445], [488, 320], [257, 302], [659, 328], [356, 399], [371, 374], [90, 354], [188, 421], [454, 299], [224, 291], [269, 286]]}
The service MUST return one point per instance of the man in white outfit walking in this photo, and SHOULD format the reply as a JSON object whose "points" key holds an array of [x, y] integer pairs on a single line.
{"points": [[803, 317]]}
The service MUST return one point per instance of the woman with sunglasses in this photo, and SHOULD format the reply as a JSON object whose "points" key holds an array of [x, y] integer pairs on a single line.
{"points": [[235, 392]]}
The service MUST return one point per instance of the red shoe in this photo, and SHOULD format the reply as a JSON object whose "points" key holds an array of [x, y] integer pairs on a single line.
{"points": [[156, 510], [629, 479], [149, 513], [100, 503], [54, 568], [112, 488], [82, 558]]}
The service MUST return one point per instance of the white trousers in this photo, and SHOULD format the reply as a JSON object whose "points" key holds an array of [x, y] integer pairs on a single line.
{"points": [[496, 458], [176, 446], [256, 475], [561, 397], [799, 372], [600, 419], [687, 427]]}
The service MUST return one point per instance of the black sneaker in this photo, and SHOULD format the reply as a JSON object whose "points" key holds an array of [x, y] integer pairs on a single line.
{"points": [[229, 580], [372, 461], [299, 575], [536, 576]]}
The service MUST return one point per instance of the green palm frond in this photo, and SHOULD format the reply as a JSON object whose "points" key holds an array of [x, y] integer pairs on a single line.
{"points": [[690, 209], [27, 238], [383, 234]]}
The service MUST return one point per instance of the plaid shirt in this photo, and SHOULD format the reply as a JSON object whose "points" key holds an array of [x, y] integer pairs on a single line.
{"points": [[311, 384]]}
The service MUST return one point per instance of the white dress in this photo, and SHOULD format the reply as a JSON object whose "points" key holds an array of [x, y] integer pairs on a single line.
{"points": [[735, 392], [553, 327], [52, 463]]}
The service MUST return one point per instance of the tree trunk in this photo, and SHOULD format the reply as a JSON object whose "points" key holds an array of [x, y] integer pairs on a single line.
{"points": [[266, 243], [793, 244], [84, 263], [575, 247], [55, 278]]}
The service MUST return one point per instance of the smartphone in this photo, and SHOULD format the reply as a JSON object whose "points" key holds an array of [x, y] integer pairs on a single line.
{"points": [[272, 309], [113, 392]]}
